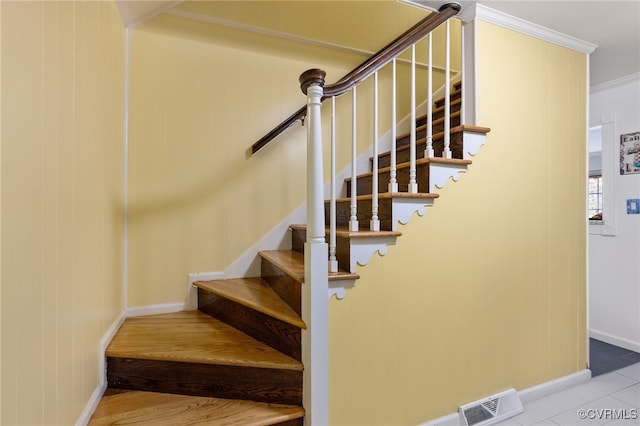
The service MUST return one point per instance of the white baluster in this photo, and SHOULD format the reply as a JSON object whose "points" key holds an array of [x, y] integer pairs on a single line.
{"points": [[413, 186], [333, 262], [429, 151], [353, 220], [393, 182], [374, 224], [446, 153]]}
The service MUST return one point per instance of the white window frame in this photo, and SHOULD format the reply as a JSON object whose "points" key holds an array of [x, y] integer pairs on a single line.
{"points": [[610, 170]]}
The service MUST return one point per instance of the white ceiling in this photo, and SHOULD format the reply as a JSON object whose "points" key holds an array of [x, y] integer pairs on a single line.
{"points": [[614, 26]]}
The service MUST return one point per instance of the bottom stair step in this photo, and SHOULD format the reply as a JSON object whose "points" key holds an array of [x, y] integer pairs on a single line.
{"points": [[151, 408], [191, 353]]}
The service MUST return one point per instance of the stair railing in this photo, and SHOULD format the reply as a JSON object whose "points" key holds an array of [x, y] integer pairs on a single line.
{"points": [[314, 79], [316, 252]]}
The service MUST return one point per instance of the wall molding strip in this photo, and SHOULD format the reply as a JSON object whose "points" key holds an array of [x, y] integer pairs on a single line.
{"points": [[631, 78], [287, 36], [534, 30]]}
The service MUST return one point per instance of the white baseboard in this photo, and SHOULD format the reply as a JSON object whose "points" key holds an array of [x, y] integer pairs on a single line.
{"points": [[137, 311], [614, 340], [554, 386], [163, 308], [529, 394], [248, 264], [91, 406]]}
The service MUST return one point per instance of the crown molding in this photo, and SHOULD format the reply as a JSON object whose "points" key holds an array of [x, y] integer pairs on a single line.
{"points": [[534, 30], [134, 13], [631, 78]]}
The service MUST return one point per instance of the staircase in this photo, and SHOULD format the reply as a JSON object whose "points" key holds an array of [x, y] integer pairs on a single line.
{"points": [[237, 359]]}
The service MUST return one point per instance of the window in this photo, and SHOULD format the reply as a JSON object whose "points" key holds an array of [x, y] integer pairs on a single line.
{"points": [[603, 168], [595, 205], [595, 197]]}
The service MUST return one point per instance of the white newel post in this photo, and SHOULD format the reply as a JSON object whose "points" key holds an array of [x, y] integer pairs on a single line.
{"points": [[316, 280]]}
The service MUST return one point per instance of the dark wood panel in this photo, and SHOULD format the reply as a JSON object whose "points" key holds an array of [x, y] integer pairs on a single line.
{"points": [[403, 153], [421, 133], [298, 238], [455, 94], [222, 381], [286, 287], [275, 333], [438, 114], [343, 213], [343, 253], [294, 422], [364, 184]]}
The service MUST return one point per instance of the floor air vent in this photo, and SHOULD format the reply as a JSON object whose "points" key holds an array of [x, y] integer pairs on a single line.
{"points": [[491, 410]]}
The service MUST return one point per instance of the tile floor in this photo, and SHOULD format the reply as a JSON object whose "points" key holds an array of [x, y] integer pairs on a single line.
{"points": [[608, 399], [604, 358]]}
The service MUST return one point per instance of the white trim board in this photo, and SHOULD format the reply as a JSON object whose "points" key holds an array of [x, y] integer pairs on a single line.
{"points": [[125, 167], [288, 36], [614, 340], [93, 402], [529, 394], [534, 30], [163, 308], [134, 13], [631, 78]]}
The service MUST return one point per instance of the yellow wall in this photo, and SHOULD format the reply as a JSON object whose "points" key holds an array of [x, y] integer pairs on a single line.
{"points": [[487, 290], [62, 203], [201, 94]]}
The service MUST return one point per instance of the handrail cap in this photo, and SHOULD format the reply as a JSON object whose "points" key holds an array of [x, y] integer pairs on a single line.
{"points": [[309, 77], [454, 5]]}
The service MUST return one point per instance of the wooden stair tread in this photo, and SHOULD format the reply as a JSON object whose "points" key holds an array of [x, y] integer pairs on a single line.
{"points": [[193, 336], [289, 261], [365, 233], [454, 114], [292, 263], [386, 195], [457, 129], [437, 109], [344, 232], [254, 293], [457, 90], [138, 407], [419, 161], [435, 122], [440, 135]]}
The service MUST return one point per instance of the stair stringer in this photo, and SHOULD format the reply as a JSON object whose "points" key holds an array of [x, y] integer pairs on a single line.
{"points": [[440, 174], [339, 288], [361, 251], [404, 209], [473, 141]]}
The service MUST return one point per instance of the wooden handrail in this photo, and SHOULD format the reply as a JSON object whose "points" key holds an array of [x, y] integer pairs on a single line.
{"points": [[368, 67]]}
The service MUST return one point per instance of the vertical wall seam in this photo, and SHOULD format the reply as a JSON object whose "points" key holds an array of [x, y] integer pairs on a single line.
{"points": [[1, 6], [125, 248], [42, 212], [586, 206]]}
